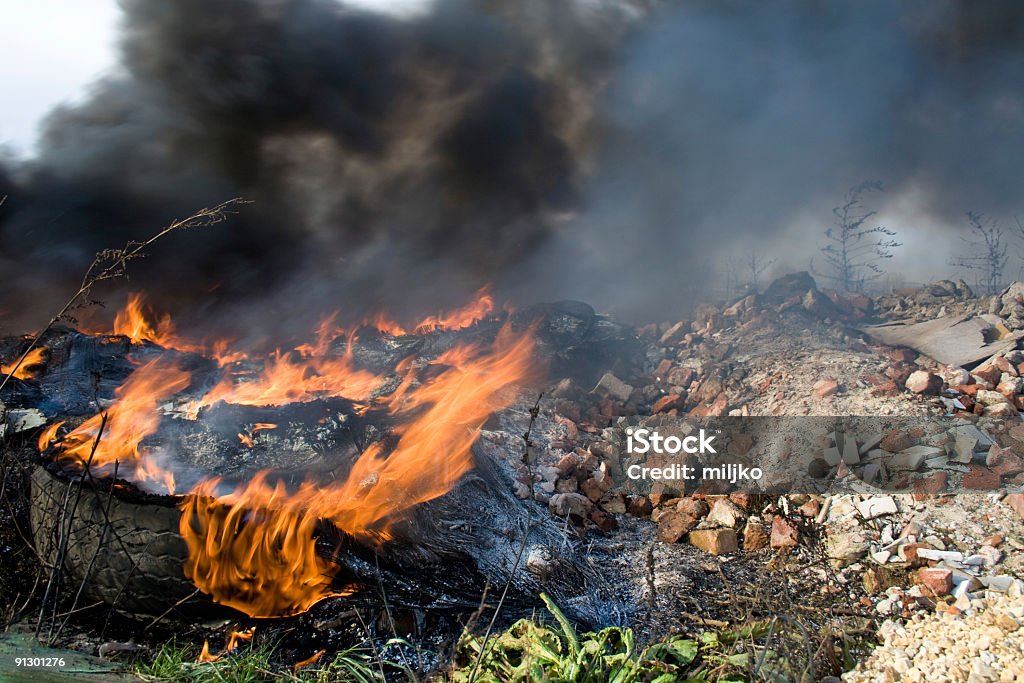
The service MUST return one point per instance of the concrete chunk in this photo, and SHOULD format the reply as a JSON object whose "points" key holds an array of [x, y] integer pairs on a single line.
{"points": [[877, 506], [611, 386]]}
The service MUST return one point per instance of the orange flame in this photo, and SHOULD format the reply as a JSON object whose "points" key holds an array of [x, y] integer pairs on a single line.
{"points": [[234, 639], [30, 367], [308, 661], [463, 317], [205, 656], [132, 322], [254, 548], [475, 311], [131, 419]]}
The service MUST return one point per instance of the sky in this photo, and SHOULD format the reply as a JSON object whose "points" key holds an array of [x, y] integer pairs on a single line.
{"points": [[58, 48]]}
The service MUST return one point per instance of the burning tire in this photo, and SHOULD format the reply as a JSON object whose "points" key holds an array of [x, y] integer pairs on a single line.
{"points": [[129, 554]]}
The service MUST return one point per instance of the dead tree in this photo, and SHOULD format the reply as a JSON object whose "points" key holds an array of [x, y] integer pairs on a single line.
{"points": [[987, 253], [853, 252], [757, 264]]}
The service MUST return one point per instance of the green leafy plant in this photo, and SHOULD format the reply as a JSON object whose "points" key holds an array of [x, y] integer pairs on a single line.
{"points": [[533, 651]]}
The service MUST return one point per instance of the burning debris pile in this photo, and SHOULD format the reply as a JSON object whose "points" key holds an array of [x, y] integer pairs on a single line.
{"points": [[381, 453], [273, 467]]}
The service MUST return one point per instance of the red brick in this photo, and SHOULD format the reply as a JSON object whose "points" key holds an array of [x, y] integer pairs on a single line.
{"points": [[826, 387], [931, 485], [784, 534], [667, 403], [981, 479], [938, 580]]}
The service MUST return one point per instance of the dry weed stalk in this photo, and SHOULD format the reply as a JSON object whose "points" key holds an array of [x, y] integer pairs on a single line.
{"points": [[110, 264]]}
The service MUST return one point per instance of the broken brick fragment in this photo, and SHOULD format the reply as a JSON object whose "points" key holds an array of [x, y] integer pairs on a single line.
{"points": [[667, 403], [932, 485], [981, 479], [937, 580], [826, 387], [784, 534]]}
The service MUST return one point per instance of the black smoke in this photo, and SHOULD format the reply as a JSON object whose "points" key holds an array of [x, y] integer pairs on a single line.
{"points": [[389, 158], [584, 148]]}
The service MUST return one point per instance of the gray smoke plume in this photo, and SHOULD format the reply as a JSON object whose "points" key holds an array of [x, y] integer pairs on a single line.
{"points": [[582, 148], [728, 123]]}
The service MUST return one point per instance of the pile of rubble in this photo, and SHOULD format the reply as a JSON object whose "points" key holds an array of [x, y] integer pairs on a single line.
{"points": [[795, 350], [722, 363]]}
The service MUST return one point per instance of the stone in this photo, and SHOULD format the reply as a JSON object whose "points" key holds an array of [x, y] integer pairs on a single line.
{"points": [[872, 443], [790, 287], [714, 541], [877, 506], [847, 547], [818, 304], [639, 506], [938, 580], [673, 525], [725, 513], [755, 534], [832, 456], [612, 387], [784, 534], [877, 580], [989, 398], [923, 382], [912, 459], [1016, 502], [592, 489], [1004, 461], [963, 447], [565, 504], [614, 503]]}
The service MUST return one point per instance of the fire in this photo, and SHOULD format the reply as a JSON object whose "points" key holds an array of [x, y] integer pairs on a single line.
{"points": [[134, 416], [234, 639], [30, 367], [133, 322], [205, 656], [463, 317], [247, 438], [475, 311], [309, 661], [254, 548], [252, 545]]}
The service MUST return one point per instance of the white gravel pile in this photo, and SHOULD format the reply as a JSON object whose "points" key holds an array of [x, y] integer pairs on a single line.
{"points": [[984, 646]]}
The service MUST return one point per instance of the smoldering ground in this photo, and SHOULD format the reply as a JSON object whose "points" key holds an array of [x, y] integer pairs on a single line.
{"points": [[601, 150]]}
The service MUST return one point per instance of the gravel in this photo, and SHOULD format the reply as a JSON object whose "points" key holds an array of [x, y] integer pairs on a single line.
{"points": [[984, 645]]}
